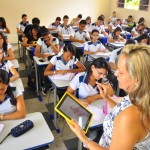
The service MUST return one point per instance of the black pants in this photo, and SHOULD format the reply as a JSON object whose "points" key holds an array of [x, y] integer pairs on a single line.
{"points": [[60, 92]]}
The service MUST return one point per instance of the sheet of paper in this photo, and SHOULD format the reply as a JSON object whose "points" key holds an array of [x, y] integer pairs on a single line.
{"points": [[97, 113], [67, 76], [103, 54]]}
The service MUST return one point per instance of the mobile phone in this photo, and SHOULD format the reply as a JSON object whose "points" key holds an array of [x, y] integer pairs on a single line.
{"points": [[105, 80], [41, 60]]}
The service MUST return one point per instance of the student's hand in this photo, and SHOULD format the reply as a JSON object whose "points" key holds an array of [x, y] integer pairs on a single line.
{"points": [[87, 100], [106, 50], [62, 72], [103, 90], [83, 102], [82, 41], [98, 50], [46, 55]]}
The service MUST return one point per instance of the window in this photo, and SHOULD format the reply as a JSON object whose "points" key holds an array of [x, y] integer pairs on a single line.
{"points": [[134, 4]]}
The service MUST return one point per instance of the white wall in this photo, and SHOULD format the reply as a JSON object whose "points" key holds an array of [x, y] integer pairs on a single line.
{"points": [[48, 10], [124, 13]]}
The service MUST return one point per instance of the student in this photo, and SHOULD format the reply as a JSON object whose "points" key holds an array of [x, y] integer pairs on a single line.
{"points": [[8, 66], [94, 46], [137, 31], [65, 63], [141, 20], [142, 39], [113, 60], [127, 126], [27, 29], [31, 38], [113, 25], [128, 21], [115, 36], [75, 21], [3, 26], [6, 47], [85, 83], [88, 25], [65, 28], [113, 18], [47, 45], [54, 25], [21, 26], [99, 25], [11, 100]]}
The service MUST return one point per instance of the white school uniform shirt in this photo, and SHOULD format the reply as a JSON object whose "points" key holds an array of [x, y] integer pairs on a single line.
{"points": [[61, 65], [135, 32], [81, 35], [80, 82], [53, 25], [113, 19], [88, 27], [6, 107], [114, 26], [93, 47], [100, 28], [44, 48], [115, 55], [68, 30], [6, 65], [22, 26]]}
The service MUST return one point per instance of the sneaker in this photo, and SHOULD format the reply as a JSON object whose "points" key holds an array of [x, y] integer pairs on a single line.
{"points": [[44, 91]]}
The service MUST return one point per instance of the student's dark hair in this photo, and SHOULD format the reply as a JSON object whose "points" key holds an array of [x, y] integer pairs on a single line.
{"points": [[130, 41], [24, 15], [80, 16], [118, 20], [141, 37], [114, 32], [37, 28], [4, 77], [88, 18], [44, 31], [95, 30], [3, 22], [69, 48], [83, 22], [130, 16], [4, 43], [98, 63], [36, 20], [100, 18], [141, 20], [66, 17], [58, 18]]}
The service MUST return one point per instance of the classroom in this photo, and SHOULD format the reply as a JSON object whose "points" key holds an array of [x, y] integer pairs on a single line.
{"points": [[86, 53]]}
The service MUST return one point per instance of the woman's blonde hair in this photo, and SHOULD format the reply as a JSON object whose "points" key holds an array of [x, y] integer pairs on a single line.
{"points": [[138, 66]]}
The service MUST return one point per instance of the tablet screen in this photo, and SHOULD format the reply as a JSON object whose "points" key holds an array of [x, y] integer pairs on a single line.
{"points": [[73, 110]]}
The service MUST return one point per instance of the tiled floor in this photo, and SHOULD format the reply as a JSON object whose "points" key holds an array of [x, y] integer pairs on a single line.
{"points": [[34, 105]]}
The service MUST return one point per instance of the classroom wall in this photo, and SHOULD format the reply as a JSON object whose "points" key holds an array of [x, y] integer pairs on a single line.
{"points": [[48, 10], [124, 13]]}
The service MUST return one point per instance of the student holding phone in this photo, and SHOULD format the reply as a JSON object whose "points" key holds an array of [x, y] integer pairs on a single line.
{"points": [[127, 127]]}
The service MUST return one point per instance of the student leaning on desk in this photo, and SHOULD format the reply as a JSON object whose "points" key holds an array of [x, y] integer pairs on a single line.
{"points": [[127, 127], [6, 47], [8, 66], [85, 83], [64, 64], [11, 100]]}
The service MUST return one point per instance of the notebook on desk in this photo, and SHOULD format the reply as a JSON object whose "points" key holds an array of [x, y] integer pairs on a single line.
{"points": [[68, 76]]}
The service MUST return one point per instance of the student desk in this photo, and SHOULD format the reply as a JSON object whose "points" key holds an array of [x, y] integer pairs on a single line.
{"points": [[116, 45], [101, 54], [57, 84], [18, 83], [40, 135], [126, 27], [37, 64], [15, 64]]}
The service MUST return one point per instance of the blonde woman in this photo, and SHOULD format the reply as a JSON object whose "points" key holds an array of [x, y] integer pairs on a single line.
{"points": [[127, 127]]}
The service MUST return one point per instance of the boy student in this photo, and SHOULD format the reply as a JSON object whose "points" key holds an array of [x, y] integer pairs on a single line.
{"points": [[75, 21], [21, 26], [99, 25], [54, 25], [65, 28], [80, 36]]}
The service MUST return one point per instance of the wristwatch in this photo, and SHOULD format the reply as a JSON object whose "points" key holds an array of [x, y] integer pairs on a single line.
{"points": [[85, 144], [54, 72], [2, 117]]}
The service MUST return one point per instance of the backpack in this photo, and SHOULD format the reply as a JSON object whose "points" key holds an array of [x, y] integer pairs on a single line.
{"points": [[32, 80]]}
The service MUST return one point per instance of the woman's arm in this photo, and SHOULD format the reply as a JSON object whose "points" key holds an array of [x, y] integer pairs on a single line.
{"points": [[48, 71], [7, 30], [10, 55], [15, 74], [20, 113], [55, 48]]}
